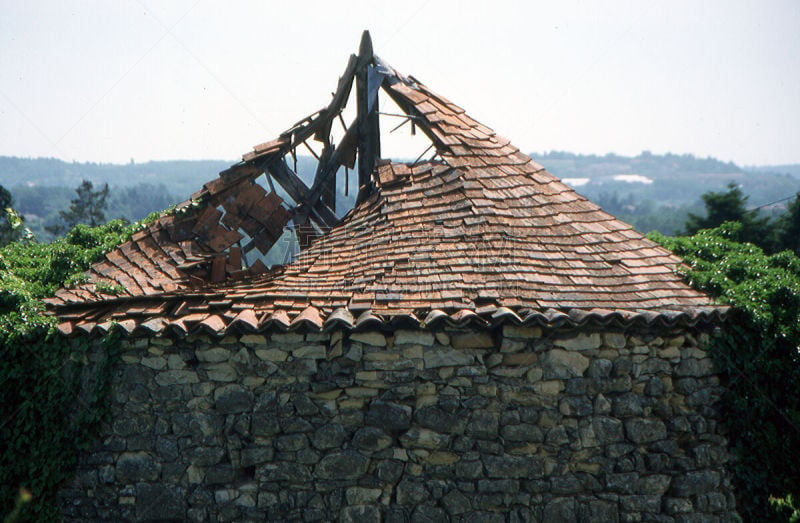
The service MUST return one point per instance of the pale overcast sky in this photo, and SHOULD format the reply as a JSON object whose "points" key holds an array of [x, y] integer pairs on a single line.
{"points": [[107, 81]]}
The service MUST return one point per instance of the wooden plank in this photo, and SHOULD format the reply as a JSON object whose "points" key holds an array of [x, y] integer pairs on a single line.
{"points": [[214, 186], [264, 240], [257, 267], [301, 133], [272, 145], [251, 227], [291, 183], [306, 234], [325, 178], [241, 202], [264, 209], [299, 192], [339, 100], [347, 151], [368, 131], [181, 230], [208, 219], [324, 183], [401, 96], [277, 146]]}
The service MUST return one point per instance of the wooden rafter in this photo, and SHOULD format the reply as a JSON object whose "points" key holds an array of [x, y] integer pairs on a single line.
{"points": [[299, 192], [360, 142], [367, 115]]}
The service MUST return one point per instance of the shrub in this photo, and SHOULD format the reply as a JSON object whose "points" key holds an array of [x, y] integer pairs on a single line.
{"points": [[48, 406], [759, 360]]}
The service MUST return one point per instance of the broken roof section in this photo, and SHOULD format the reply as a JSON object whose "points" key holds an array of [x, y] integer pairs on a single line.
{"points": [[477, 233]]}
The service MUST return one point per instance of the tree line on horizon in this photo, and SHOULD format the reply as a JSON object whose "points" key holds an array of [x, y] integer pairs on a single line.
{"points": [[771, 232], [43, 187]]}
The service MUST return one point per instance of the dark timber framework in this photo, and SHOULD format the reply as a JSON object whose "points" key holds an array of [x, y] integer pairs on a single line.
{"points": [[360, 147], [209, 238], [316, 205]]}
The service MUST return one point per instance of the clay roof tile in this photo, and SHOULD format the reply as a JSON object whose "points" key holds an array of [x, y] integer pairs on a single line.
{"points": [[480, 236]]}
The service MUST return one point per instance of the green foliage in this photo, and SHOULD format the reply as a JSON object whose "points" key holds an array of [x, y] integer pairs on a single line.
{"points": [[788, 228], [48, 405], [6, 227], [787, 507], [29, 272], [12, 225], [772, 235], [23, 498], [109, 288], [758, 356]]}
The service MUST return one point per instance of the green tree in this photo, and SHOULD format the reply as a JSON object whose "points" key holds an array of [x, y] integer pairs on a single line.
{"points": [[788, 228], [88, 208], [757, 355], [11, 223], [137, 201], [730, 206], [6, 228]]}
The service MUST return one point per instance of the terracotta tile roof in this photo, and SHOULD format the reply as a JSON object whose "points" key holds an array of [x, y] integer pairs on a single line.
{"points": [[483, 234]]}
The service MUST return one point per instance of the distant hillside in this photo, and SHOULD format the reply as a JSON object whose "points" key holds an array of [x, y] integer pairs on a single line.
{"points": [[656, 192], [179, 177], [667, 179], [649, 191], [41, 187], [175, 175], [571, 165], [792, 169]]}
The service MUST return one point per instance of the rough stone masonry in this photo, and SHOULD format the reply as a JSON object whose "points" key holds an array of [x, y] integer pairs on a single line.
{"points": [[509, 424]]}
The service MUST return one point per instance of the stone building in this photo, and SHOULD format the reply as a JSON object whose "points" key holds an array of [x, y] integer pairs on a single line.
{"points": [[473, 341]]}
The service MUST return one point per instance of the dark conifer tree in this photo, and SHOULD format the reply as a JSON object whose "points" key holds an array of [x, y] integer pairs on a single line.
{"points": [[88, 207]]}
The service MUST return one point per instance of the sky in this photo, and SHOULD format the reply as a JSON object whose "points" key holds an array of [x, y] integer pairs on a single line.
{"points": [[122, 80]]}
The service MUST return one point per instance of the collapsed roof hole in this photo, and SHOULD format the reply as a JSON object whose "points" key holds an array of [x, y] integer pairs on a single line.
{"points": [[312, 193], [287, 246], [401, 138], [305, 167]]}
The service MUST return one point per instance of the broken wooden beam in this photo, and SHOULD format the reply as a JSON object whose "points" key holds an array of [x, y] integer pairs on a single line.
{"points": [[300, 193], [325, 179], [339, 100], [367, 112]]}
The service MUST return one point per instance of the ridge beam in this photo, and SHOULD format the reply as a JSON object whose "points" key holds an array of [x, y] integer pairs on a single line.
{"points": [[367, 126]]}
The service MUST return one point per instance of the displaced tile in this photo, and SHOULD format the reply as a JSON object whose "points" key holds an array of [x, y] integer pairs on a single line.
{"points": [[481, 235]]}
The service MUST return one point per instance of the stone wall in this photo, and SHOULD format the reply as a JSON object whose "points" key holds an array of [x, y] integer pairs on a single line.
{"points": [[515, 424]]}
